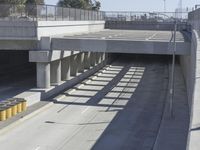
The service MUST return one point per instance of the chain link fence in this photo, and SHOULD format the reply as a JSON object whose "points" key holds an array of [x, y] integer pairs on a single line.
{"points": [[146, 16], [47, 13]]}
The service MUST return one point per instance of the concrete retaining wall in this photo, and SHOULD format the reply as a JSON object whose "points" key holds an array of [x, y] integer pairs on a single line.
{"points": [[34, 30], [141, 25], [191, 70], [18, 29], [51, 28]]}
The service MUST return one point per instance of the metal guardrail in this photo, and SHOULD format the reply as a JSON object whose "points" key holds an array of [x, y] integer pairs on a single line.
{"points": [[47, 13], [146, 16]]}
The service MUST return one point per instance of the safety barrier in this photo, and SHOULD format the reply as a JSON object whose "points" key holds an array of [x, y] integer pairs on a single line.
{"points": [[11, 107]]}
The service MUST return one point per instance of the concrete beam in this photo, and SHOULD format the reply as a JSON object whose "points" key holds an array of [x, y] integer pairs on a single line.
{"points": [[48, 56], [45, 43], [121, 46], [18, 44]]}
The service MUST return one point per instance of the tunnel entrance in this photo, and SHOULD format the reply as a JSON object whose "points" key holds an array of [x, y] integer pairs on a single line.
{"points": [[17, 74], [140, 57]]}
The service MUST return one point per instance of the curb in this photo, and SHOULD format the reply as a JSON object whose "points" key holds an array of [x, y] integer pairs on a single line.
{"points": [[24, 118]]}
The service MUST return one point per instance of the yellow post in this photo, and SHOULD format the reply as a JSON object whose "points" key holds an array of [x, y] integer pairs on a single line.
{"points": [[23, 104], [13, 108], [8, 112], [19, 107], [2, 114]]}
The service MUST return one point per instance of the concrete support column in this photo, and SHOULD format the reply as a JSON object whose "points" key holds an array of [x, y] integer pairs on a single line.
{"points": [[87, 60], [81, 62], [43, 75], [93, 58], [73, 65], [107, 58], [99, 58], [104, 58], [55, 72], [65, 69], [96, 58]]}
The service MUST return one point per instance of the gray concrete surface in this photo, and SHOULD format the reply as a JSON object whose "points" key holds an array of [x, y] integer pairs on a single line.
{"points": [[131, 41], [144, 25], [190, 67], [173, 132], [120, 107], [24, 35]]}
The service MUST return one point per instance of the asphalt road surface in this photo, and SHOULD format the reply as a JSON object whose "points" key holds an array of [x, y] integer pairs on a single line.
{"points": [[120, 109], [130, 35]]}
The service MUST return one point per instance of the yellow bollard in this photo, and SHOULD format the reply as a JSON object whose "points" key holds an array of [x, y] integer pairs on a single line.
{"points": [[19, 107], [8, 112], [13, 108], [23, 104], [2, 114]]}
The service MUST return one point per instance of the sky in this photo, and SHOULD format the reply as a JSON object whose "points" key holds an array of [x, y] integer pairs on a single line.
{"points": [[140, 5]]}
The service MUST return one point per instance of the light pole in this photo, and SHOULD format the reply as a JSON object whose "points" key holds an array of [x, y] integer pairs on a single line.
{"points": [[173, 71], [172, 85]]}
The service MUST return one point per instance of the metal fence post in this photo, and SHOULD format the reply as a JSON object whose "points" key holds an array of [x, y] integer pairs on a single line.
{"points": [[75, 14], [172, 85], [62, 14], [69, 14], [55, 12], [46, 12]]}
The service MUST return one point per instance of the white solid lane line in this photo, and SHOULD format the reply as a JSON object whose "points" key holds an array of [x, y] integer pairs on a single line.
{"points": [[151, 36]]}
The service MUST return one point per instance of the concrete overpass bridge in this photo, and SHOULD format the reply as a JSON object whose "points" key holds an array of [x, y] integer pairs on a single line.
{"points": [[73, 55]]}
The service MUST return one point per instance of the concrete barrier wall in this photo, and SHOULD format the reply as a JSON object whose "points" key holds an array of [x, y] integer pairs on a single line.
{"points": [[141, 25], [51, 28], [191, 70], [188, 65], [17, 29], [33, 29]]}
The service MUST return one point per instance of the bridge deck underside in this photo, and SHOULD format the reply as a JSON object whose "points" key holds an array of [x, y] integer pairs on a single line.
{"points": [[124, 41]]}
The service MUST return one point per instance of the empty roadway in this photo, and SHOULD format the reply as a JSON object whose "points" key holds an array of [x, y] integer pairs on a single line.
{"points": [[121, 107], [131, 35]]}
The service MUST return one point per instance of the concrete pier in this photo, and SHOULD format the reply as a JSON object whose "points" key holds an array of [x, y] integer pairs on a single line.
{"points": [[93, 57], [87, 60], [55, 69], [43, 75], [65, 69], [73, 65], [80, 60]]}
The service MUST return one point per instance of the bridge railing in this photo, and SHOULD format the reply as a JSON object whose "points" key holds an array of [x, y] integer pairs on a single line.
{"points": [[47, 13], [145, 16]]}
